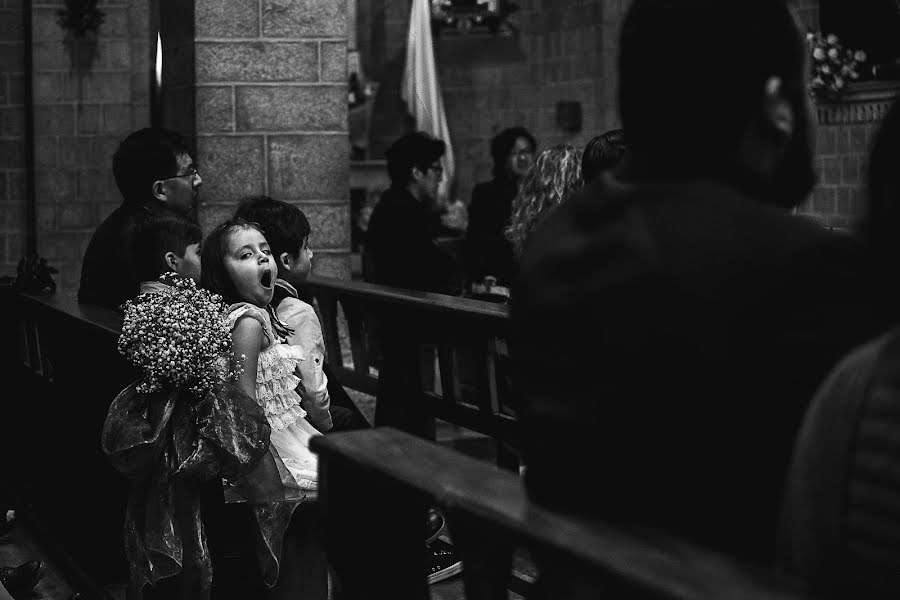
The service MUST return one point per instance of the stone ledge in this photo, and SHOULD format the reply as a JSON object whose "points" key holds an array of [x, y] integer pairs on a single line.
{"points": [[866, 102]]}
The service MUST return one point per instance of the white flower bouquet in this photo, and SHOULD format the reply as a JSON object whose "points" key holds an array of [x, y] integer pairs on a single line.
{"points": [[177, 337], [833, 66]]}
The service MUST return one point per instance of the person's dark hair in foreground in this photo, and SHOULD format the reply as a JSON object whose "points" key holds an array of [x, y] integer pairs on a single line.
{"points": [[602, 153], [672, 320]]}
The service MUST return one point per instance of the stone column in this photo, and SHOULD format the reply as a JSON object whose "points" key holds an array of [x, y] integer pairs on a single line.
{"points": [[270, 104]]}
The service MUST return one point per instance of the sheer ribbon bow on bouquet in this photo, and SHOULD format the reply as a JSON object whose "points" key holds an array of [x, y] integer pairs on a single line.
{"points": [[182, 425]]}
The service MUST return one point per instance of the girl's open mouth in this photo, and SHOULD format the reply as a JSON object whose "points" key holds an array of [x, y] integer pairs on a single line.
{"points": [[266, 279]]}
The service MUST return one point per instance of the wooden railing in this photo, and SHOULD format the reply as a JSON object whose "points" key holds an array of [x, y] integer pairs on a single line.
{"points": [[488, 515], [375, 483], [465, 375], [62, 370]]}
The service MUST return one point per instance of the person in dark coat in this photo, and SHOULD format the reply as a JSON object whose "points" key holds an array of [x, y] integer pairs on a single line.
{"points": [[672, 321], [400, 248], [155, 174], [400, 251], [488, 252]]}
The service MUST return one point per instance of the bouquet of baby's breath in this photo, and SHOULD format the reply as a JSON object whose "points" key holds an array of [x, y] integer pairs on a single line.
{"points": [[178, 336], [833, 66]]}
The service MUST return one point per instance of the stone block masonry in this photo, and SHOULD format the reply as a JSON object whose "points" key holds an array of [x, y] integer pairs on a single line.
{"points": [[12, 139], [82, 109], [565, 51], [271, 113]]}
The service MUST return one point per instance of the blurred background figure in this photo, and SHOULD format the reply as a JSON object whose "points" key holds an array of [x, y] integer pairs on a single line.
{"points": [[841, 450], [602, 153], [556, 175], [488, 253]]}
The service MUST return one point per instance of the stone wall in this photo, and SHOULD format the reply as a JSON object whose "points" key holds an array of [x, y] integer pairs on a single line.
{"points": [[845, 132], [87, 95], [258, 86], [565, 50], [12, 136], [270, 102]]}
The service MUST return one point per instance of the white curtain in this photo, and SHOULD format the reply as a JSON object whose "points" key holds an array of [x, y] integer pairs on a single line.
{"points": [[421, 89]]}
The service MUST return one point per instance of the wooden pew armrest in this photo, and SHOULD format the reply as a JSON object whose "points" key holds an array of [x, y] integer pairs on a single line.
{"points": [[661, 564]]}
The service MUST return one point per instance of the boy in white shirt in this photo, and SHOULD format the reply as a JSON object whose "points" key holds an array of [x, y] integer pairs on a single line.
{"points": [[287, 230]]}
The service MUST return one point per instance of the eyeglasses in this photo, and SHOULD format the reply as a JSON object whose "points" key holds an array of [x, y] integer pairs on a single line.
{"points": [[192, 172]]}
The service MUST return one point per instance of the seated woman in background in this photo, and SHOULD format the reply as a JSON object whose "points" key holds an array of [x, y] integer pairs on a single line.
{"points": [[487, 251], [554, 177]]}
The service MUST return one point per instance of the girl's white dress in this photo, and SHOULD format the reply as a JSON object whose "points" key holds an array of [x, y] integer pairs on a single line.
{"points": [[276, 384]]}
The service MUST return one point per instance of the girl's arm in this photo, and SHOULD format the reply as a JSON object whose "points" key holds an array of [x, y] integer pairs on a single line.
{"points": [[246, 340]]}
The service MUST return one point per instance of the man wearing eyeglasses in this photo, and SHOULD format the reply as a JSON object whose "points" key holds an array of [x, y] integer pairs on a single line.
{"points": [[399, 246], [155, 173]]}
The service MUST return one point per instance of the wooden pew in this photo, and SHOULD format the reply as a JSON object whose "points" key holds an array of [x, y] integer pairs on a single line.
{"points": [[63, 370], [373, 485], [464, 338]]}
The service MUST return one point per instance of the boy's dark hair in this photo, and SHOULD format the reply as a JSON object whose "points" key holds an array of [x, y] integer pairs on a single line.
{"points": [[601, 153], [416, 149], [284, 224], [143, 157], [689, 119], [502, 144], [155, 236]]}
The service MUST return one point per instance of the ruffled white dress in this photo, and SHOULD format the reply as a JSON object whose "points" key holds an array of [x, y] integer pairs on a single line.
{"points": [[276, 384]]}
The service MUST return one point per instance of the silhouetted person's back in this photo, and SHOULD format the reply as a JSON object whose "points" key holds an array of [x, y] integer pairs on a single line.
{"points": [[672, 321]]}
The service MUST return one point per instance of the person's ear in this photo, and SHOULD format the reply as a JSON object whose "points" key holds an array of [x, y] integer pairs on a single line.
{"points": [[172, 260], [159, 191], [777, 109], [417, 174], [285, 261]]}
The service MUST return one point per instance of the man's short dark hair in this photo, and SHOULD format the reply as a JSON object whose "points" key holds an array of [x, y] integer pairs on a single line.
{"points": [[143, 157], [416, 149], [284, 225], [156, 235], [502, 144], [691, 73], [601, 153]]}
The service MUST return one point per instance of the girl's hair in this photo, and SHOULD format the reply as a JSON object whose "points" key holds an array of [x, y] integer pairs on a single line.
{"points": [[554, 176], [213, 274]]}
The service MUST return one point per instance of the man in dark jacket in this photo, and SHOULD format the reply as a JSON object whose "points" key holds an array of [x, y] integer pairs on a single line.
{"points": [[673, 320], [155, 174], [400, 251], [400, 243]]}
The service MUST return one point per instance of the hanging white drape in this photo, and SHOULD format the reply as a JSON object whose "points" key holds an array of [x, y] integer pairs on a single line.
{"points": [[421, 89]]}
